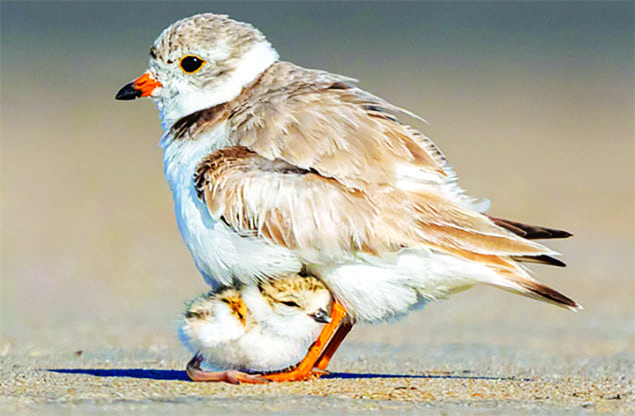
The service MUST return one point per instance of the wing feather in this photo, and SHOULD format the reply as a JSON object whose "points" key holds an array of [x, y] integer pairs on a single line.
{"points": [[321, 122], [319, 216]]}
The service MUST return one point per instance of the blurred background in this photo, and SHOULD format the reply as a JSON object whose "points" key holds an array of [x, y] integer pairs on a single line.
{"points": [[531, 102]]}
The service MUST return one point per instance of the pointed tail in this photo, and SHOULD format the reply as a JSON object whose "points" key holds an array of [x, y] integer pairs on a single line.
{"points": [[533, 232], [537, 290], [530, 232]]}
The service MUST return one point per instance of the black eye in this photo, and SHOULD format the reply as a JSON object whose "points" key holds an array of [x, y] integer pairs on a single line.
{"points": [[290, 303], [153, 52], [191, 63]]}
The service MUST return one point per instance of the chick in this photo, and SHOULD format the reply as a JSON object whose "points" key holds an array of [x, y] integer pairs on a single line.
{"points": [[252, 329]]}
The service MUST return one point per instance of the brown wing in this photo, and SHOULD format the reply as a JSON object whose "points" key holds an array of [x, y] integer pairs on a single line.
{"points": [[314, 215], [323, 122]]}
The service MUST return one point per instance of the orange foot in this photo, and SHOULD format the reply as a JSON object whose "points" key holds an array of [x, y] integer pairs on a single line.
{"points": [[228, 376], [306, 369]]}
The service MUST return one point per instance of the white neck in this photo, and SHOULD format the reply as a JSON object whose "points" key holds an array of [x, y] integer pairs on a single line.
{"points": [[189, 100]]}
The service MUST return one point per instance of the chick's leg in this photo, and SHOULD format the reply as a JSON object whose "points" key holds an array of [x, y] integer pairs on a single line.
{"points": [[304, 370], [228, 376]]}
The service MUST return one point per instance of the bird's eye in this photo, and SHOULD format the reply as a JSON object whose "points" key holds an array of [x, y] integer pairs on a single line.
{"points": [[191, 63], [190, 315], [290, 303]]}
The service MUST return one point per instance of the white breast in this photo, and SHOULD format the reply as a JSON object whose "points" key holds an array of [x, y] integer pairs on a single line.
{"points": [[219, 252]]}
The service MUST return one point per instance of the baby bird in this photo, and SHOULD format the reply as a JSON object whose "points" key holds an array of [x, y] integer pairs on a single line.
{"points": [[251, 329]]}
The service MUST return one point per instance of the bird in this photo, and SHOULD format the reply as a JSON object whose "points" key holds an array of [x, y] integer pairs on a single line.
{"points": [[277, 169], [254, 331]]}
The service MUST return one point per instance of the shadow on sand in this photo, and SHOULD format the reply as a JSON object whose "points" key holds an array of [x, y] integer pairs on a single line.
{"points": [[178, 375], [175, 375]]}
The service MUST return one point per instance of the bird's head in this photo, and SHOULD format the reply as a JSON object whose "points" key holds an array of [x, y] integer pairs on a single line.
{"points": [[200, 62], [302, 301]]}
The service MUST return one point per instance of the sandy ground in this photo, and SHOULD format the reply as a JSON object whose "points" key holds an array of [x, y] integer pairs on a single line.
{"points": [[445, 379], [534, 112], [147, 383]]}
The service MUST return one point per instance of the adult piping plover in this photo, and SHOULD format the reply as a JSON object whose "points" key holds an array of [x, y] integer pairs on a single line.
{"points": [[276, 168], [262, 328]]}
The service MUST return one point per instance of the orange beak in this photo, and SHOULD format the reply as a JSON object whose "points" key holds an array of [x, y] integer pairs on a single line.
{"points": [[141, 87]]}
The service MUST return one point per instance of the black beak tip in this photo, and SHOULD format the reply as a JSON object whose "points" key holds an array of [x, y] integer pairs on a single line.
{"points": [[128, 92]]}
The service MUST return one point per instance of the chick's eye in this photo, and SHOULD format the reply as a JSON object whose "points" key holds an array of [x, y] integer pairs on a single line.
{"points": [[290, 303], [191, 63]]}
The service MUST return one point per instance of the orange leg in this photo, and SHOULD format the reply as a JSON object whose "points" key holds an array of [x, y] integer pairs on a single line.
{"points": [[229, 376], [304, 370], [330, 349]]}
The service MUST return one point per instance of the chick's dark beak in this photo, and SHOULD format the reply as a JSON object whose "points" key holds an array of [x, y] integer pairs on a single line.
{"points": [[321, 316], [128, 92]]}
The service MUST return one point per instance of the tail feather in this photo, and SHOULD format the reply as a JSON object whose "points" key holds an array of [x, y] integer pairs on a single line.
{"points": [[544, 259], [533, 232], [530, 232], [542, 292], [518, 281], [512, 276]]}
